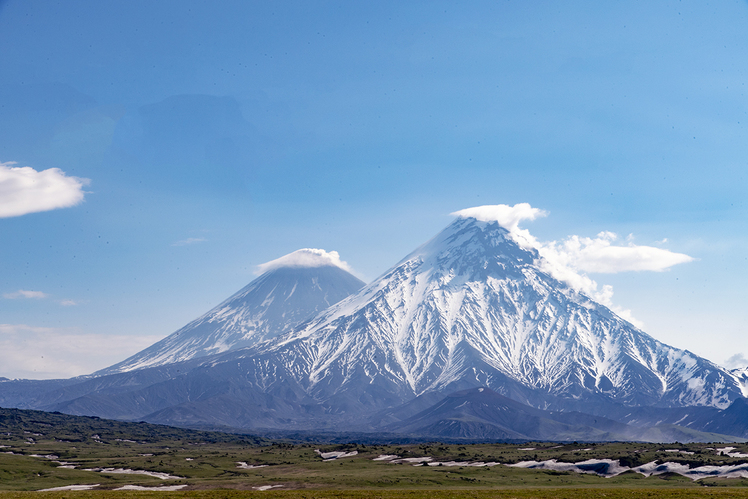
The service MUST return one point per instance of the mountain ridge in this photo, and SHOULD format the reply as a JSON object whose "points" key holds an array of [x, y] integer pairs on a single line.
{"points": [[270, 305]]}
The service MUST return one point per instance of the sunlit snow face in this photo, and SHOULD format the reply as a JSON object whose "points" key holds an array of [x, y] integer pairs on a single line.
{"points": [[571, 259]]}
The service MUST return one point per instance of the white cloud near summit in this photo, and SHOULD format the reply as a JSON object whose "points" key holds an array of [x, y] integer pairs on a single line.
{"points": [[24, 190], [569, 260], [508, 217], [601, 255], [305, 257]]}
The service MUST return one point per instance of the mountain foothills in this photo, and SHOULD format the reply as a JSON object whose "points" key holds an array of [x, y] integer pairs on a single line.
{"points": [[466, 338]]}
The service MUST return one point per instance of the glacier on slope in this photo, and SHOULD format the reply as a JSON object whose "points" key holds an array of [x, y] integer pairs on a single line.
{"points": [[279, 299], [741, 374]]}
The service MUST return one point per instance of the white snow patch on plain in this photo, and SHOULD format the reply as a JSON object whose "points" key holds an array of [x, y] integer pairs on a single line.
{"points": [[725, 471], [429, 461], [602, 467], [728, 451], [244, 466], [163, 488], [122, 471], [412, 460], [267, 487], [476, 464], [71, 487], [330, 456], [56, 459], [609, 468]]}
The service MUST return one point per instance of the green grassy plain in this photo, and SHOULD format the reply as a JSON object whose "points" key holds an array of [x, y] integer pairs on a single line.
{"points": [[207, 463], [523, 493]]}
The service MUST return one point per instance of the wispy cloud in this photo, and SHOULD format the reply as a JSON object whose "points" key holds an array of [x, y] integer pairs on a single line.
{"points": [[571, 259], [22, 293], [736, 361], [44, 352], [189, 240], [601, 255], [37, 295], [24, 190]]}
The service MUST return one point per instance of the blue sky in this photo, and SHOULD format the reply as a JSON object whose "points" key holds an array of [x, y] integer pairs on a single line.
{"points": [[214, 137]]}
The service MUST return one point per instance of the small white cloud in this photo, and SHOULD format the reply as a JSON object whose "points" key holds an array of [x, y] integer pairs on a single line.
{"points": [[189, 240], [602, 256], [68, 303], [508, 217], [24, 190], [22, 293], [736, 361], [305, 257], [44, 353]]}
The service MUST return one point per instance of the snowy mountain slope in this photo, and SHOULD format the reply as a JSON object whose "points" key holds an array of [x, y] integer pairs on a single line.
{"points": [[272, 304], [472, 308], [741, 375]]}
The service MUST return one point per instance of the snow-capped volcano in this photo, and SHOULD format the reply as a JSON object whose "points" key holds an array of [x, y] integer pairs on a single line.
{"points": [[473, 308], [292, 289]]}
